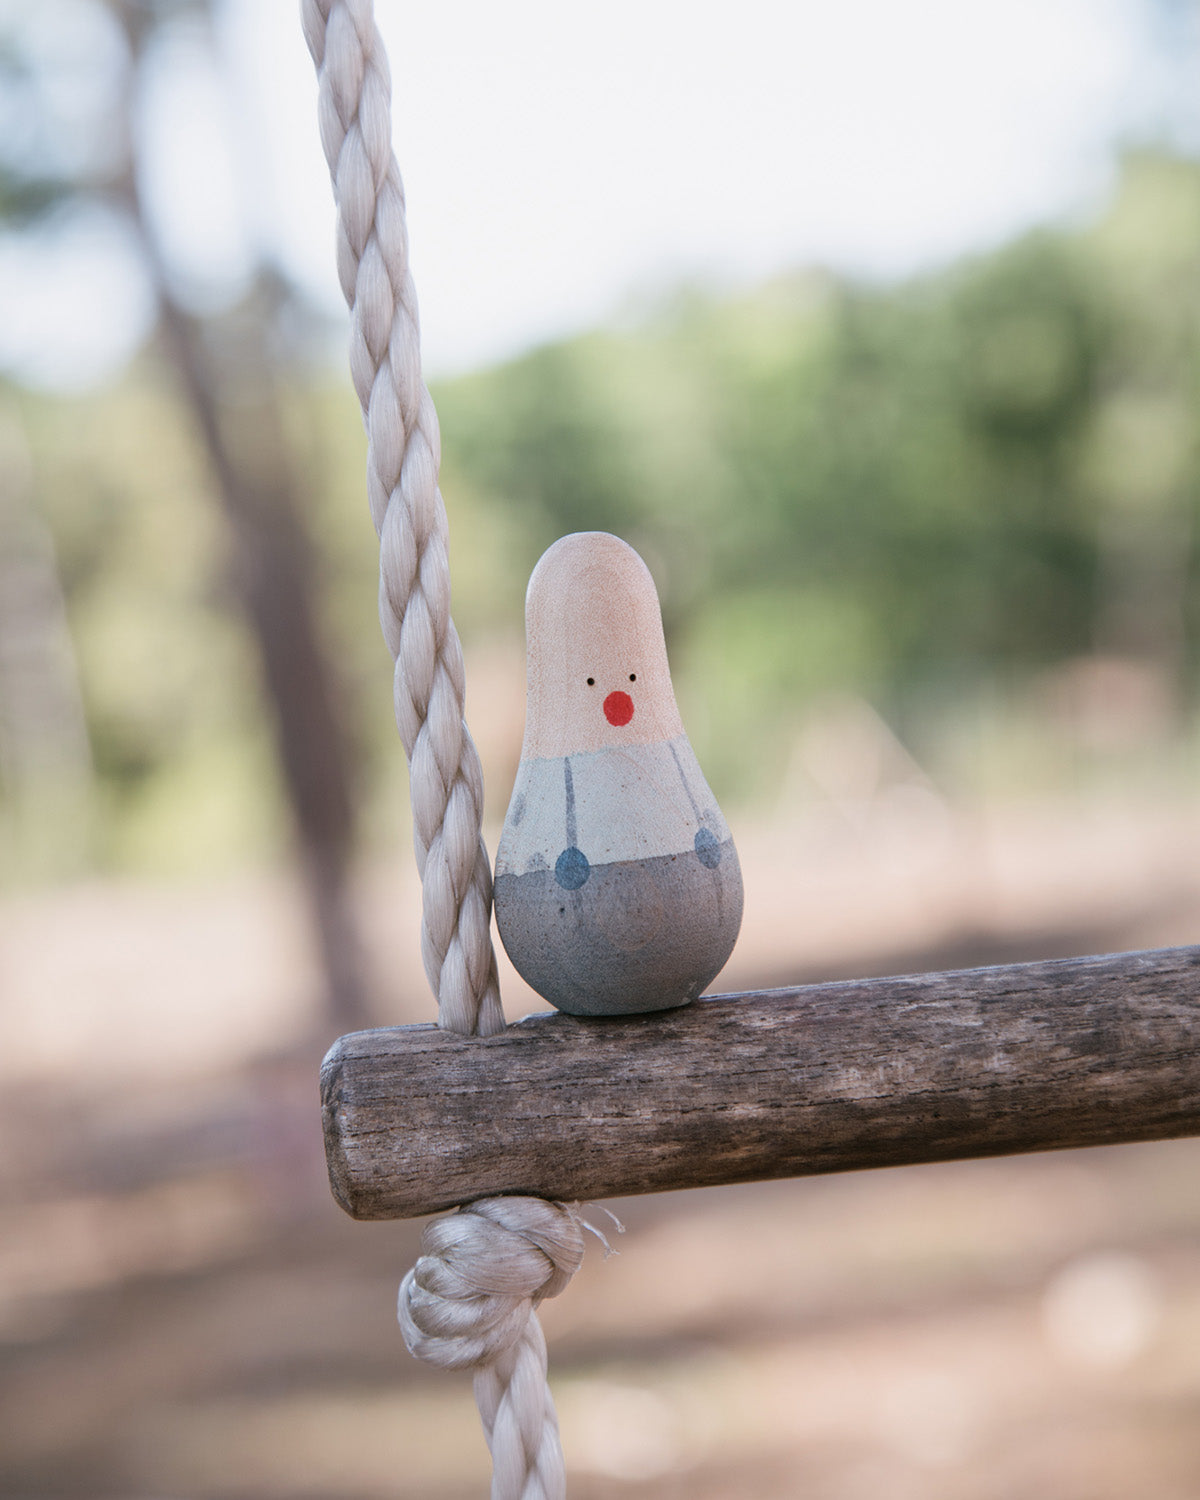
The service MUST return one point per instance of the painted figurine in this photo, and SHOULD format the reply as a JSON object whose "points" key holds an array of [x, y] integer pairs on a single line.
{"points": [[618, 887]]}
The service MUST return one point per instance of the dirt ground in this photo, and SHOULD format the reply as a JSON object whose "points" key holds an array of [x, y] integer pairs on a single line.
{"points": [[185, 1314]]}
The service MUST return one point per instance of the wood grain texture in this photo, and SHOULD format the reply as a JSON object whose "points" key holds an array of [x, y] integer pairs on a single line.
{"points": [[782, 1083]]}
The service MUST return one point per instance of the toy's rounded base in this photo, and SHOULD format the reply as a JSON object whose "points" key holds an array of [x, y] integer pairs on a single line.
{"points": [[638, 935]]}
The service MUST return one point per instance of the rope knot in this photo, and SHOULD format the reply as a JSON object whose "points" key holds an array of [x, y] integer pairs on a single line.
{"points": [[481, 1273]]}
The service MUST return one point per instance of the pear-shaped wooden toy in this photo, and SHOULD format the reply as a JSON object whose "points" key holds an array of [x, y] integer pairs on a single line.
{"points": [[618, 887]]}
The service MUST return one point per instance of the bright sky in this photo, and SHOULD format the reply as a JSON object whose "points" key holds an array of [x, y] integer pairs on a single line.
{"points": [[565, 162]]}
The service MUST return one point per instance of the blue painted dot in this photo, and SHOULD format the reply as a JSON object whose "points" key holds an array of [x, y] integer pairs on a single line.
{"points": [[708, 849], [571, 869]]}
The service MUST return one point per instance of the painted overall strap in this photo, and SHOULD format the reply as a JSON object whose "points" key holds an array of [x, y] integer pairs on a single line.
{"points": [[470, 1300]]}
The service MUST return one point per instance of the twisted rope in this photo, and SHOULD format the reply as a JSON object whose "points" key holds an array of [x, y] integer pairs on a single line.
{"points": [[403, 454], [469, 1301]]}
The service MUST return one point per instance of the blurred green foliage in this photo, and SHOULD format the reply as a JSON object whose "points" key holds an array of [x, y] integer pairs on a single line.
{"points": [[924, 494], [905, 492]]}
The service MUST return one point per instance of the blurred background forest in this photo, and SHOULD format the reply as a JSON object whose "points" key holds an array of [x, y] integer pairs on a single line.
{"points": [[928, 547]]}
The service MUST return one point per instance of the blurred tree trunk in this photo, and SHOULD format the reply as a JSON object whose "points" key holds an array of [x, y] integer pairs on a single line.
{"points": [[272, 570], [45, 755], [237, 416]]}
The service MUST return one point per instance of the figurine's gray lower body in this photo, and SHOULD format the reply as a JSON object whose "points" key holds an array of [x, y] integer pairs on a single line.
{"points": [[632, 936]]}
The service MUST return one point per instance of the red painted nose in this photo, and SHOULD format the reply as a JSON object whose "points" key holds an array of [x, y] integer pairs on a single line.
{"points": [[618, 708]]}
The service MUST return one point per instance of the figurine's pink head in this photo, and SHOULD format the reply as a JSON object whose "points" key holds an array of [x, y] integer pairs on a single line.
{"points": [[597, 662]]}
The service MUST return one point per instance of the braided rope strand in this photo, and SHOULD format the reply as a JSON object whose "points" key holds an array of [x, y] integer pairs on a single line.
{"points": [[403, 456], [470, 1300], [527, 1456]]}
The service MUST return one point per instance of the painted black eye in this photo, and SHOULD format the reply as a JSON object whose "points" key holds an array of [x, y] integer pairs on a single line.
{"points": [[633, 676], [591, 682]]}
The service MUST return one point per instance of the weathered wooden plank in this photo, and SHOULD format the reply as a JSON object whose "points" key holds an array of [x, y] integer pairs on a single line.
{"points": [[736, 1088]]}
